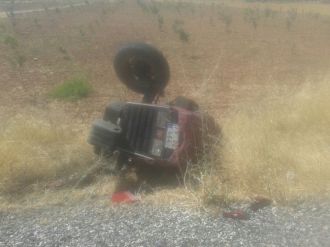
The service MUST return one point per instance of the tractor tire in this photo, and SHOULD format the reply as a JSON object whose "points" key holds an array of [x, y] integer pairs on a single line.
{"points": [[113, 111], [142, 68], [104, 137], [185, 103]]}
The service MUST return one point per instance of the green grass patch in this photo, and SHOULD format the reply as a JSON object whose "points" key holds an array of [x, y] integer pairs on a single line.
{"points": [[72, 89], [7, 39], [10, 41]]}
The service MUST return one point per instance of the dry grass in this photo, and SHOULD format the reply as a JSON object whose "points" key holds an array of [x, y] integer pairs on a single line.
{"points": [[101, 189], [36, 150], [42, 158], [278, 147]]}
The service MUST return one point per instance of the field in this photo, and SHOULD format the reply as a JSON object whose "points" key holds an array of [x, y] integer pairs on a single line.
{"points": [[261, 69]]}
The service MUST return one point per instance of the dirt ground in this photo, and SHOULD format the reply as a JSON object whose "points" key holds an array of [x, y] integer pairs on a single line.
{"points": [[220, 65]]}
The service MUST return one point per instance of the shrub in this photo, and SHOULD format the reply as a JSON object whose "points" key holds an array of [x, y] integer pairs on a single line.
{"points": [[252, 16], [36, 22], [82, 33], [20, 59], [178, 28], [160, 22], [269, 13], [291, 17], [143, 6], [154, 9], [73, 89], [226, 18], [11, 41], [183, 35], [62, 50]]}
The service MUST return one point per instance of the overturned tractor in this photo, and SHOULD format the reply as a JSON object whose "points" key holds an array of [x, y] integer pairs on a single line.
{"points": [[150, 134]]}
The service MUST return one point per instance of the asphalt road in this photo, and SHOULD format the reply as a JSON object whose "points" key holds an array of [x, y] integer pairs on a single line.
{"points": [[89, 224]]}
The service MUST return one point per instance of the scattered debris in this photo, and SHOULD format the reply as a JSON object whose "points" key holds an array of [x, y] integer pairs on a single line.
{"points": [[241, 214], [124, 197], [236, 214]]}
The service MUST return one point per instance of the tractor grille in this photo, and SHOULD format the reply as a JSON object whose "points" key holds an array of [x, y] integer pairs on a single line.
{"points": [[138, 123]]}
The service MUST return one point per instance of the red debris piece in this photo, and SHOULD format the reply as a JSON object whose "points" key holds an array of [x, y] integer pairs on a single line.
{"points": [[124, 197], [260, 202], [236, 214]]}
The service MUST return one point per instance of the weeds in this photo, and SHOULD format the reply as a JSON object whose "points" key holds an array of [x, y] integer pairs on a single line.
{"points": [[11, 13], [82, 33], [73, 89], [62, 50], [154, 9], [10, 41], [17, 58], [2, 28], [315, 16], [226, 18], [160, 22], [252, 16], [143, 6], [20, 59], [178, 7], [65, 53], [291, 17], [192, 9], [183, 35], [179, 30], [269, 13], [36, 22]]}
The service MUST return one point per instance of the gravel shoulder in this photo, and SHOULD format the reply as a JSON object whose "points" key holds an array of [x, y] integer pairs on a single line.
{"points": [[93, 224]]}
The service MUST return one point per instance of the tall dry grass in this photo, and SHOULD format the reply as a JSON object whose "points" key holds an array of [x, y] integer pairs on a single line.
{"points": [[278, 147], [36, 150]]}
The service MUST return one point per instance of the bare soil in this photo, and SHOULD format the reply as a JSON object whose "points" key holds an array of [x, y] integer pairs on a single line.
{"points": [[218, 66]]}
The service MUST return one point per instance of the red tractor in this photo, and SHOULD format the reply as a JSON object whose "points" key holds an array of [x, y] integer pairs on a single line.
{"points": [[170, 135]]}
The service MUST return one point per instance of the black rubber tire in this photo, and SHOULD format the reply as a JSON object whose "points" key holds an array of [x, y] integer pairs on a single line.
{"points": [[104, 137], [142, 68], [185, 103], [113, 111]]}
